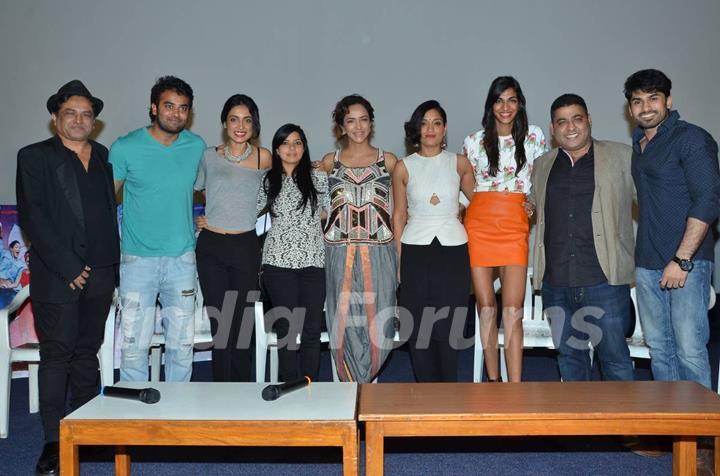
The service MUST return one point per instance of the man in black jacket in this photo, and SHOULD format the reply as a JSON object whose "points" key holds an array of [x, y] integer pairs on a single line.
{"points": [[67, 210]]}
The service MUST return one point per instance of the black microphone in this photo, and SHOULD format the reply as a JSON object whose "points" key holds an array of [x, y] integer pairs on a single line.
{"points": [[273, 392], [145, 395]]}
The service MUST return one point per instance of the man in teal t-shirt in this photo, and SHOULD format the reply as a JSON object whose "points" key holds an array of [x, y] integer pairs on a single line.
{"points": [[157, 166]]}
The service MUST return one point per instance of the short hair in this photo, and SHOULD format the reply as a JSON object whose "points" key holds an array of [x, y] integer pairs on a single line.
{"points": [[13, 243], [343, 107], [647, 81], [412, 127], [242, 100], [565, 100], [169, 83]]}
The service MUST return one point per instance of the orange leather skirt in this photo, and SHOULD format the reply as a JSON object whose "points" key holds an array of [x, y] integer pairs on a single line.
{"points": [[497, 228]]}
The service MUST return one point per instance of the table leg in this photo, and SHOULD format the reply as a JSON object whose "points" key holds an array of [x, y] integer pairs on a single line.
{"points": [[684, 455], [717, 455], [122, 461], [69, 454], [350, 452], [374, 448]]}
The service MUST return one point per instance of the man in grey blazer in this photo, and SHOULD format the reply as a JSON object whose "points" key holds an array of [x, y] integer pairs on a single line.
{"points": [[583, 193]]}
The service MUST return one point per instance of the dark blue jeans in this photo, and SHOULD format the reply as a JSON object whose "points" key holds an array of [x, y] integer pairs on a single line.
{"points": [[596, 315]]}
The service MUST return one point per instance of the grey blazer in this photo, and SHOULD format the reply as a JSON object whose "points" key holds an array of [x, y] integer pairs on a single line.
{"points": [[611, 211]]}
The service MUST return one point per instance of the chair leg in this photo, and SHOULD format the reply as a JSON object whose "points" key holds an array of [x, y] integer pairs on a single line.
{"points": [[106, 355], [5, 372], [334, 369], [107, 365], [33, 388], [261, 344], [274, 364], [503, 365], [478, 356], [155, 363], [260, 360]]}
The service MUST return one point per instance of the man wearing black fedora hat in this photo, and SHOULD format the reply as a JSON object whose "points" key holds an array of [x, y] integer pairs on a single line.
{"points": [[67, 209]]}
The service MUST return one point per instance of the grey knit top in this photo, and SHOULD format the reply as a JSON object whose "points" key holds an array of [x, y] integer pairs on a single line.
{"points": [[230, 190]]}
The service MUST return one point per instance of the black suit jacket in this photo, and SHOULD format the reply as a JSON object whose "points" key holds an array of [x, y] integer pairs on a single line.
{"points": [[51, 216]]}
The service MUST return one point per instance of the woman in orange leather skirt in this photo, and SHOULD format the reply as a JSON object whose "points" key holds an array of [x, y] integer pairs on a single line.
{"points": [[502, 155]]}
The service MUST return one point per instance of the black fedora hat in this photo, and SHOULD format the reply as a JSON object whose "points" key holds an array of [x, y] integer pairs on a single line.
{"points": [[73, 88]]}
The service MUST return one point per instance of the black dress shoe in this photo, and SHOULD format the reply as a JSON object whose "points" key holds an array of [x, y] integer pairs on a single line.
{"points": [[49, 462]]}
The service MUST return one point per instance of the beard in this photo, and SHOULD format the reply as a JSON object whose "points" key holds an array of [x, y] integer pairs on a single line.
{"points": [[170, 129], [654, 122]]}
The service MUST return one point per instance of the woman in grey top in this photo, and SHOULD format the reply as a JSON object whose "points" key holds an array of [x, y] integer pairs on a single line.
{"points": [[294, 253], [228, 254]]}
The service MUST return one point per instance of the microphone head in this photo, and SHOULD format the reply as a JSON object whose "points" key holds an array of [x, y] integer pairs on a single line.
{"points": [[270, 393], [149, 395]]}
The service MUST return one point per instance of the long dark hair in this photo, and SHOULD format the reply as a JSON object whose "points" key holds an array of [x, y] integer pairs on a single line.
{"points": [[519, 128], [302, 175]]}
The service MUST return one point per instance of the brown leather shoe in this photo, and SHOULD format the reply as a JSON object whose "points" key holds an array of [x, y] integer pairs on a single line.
{"points": [[49, 461], [646, 446]]}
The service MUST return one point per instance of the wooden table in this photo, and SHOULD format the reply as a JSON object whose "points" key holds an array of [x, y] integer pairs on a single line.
{"points": [[683, 410], [214, 414]]}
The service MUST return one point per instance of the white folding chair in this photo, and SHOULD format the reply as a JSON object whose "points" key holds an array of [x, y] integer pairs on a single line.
{"points": [[636, 343], [536, 330], [106, 356], [30, 353]]}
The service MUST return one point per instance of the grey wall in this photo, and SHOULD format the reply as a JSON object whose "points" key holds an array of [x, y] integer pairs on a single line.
{"points": [[297, 58]]}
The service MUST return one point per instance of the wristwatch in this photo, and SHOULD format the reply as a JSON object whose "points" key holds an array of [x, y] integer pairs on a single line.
{"points": [[685, 264]]}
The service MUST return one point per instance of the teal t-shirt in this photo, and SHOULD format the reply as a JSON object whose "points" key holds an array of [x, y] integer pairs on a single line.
{"points": [[158, 190]]}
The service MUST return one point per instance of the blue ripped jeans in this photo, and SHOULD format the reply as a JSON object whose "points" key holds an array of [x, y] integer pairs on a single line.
{"points": [[142, 281]]}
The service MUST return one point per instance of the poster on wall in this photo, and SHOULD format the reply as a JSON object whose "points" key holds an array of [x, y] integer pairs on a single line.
{"points": [[13, 259], [14, 274]]}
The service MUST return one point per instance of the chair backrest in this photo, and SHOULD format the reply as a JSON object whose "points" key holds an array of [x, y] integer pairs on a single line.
{"points": [[8, 311]]}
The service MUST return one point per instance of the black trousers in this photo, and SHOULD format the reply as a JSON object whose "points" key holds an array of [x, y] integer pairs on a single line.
{"points": [[434, 277], [229, 264], [298, 298], [70, 336]]}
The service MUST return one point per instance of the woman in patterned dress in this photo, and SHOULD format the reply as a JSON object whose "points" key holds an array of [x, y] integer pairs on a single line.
{"points": [[294, 254], [502, 155], [360, 262]]}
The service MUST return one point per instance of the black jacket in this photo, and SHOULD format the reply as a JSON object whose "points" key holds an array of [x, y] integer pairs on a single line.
{"points": [[51, 216]]}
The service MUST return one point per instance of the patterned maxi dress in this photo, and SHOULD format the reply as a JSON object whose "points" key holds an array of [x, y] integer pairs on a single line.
{"points": [[360, 267]]}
